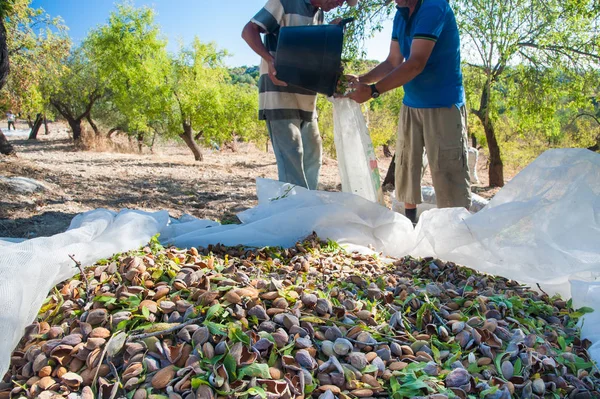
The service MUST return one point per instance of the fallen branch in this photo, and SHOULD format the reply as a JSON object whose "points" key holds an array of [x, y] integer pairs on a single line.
{"points": [[83, 278]]}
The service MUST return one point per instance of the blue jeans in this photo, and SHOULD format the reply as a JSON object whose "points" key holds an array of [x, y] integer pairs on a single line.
{"points": [[298, 150]]}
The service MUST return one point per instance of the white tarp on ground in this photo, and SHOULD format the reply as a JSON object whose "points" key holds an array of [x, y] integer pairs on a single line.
{"points": [[16, 133], [543, 227]]}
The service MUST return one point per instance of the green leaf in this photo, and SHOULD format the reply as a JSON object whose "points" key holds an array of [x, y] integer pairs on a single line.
{"points": [[369, 369], [518, 366], [231, 366], [157, 274], [394, 384], [473, 368], [122, 325], [436, 354], [266, 335], [273, 358], [582, 364], [453, 358], [257, 391], [585, 310], [562, 343], [215, 328], [286, 350], [490, 391], [420, 314], [215, 359], [259, 370], [308, 389], [108, 300], [237, 335], [145, 312], [498, 362], [214, 310]]}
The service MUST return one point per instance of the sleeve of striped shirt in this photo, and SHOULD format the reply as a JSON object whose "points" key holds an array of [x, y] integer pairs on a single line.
{"points": [[270, 16], [430, 20]]}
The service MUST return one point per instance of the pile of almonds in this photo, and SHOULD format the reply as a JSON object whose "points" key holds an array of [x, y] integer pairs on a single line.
{"points": [[309, 321]]}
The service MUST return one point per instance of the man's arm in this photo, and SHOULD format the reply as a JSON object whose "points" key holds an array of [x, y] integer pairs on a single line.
{"points": [[251, 34], [419, 55], [420, 51], [267, 20], [393, 60]]}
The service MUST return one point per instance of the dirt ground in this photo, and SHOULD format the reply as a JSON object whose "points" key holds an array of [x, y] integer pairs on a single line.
{"points": [[168, 179]]}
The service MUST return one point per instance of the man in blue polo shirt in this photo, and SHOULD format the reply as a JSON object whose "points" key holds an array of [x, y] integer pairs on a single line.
{"points": [[425, 58]]}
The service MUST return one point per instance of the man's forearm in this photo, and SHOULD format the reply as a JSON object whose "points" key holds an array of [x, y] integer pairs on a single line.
{"points": [[377, 73], [251, 35], [399, 76]]}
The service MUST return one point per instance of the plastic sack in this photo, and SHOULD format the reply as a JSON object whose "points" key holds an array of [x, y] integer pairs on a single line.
{"points": [[357, 162], [473, 157]]}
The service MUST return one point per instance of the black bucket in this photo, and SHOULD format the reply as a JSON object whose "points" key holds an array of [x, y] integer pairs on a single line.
{"points": [[310, 56]]}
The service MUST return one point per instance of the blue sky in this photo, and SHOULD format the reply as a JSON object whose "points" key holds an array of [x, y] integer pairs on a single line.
{"points": [[219, 21]]}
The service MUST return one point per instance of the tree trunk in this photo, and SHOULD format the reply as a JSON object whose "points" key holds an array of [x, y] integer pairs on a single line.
{"points": [[153, 141], [198, 135], [140, 140], [233, 145], [6, 147], [188, 137], [93, 125], [36, 127], [46, 130], [29, 122], [4, 64], [390, 177], [75, 125], [496, 168], [386, 151], [267, 146], [473, 141]]}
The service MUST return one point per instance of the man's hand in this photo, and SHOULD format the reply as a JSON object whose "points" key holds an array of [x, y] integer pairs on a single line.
{"points": [[273, 73], [361, 93], [352, 79], [335, 21]]}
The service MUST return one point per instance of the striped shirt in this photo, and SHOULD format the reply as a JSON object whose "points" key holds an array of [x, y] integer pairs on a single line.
{"points": [[284, 102]]}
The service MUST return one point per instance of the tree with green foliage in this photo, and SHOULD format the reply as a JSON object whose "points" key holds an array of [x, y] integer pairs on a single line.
{"points": [[240, 119], [133, 63], [78, 88], [35, 44], [537, 51], [5, 147], [197, 76]]}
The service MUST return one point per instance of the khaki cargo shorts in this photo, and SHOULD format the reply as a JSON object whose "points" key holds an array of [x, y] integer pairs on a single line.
{"points": [[443, 133]]}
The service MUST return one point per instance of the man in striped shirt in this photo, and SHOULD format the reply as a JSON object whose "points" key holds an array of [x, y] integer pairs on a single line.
{"points": [[290, 112]]}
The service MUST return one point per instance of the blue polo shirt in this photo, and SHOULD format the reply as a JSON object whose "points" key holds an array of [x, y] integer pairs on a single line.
{"points": [[440, 84]]}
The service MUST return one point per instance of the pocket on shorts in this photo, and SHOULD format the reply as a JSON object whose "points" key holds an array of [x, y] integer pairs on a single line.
{"points": [[400, 153], [451, 158]]}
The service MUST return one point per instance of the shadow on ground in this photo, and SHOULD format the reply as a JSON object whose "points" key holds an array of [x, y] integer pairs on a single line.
{"points": [[49, 222]]}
